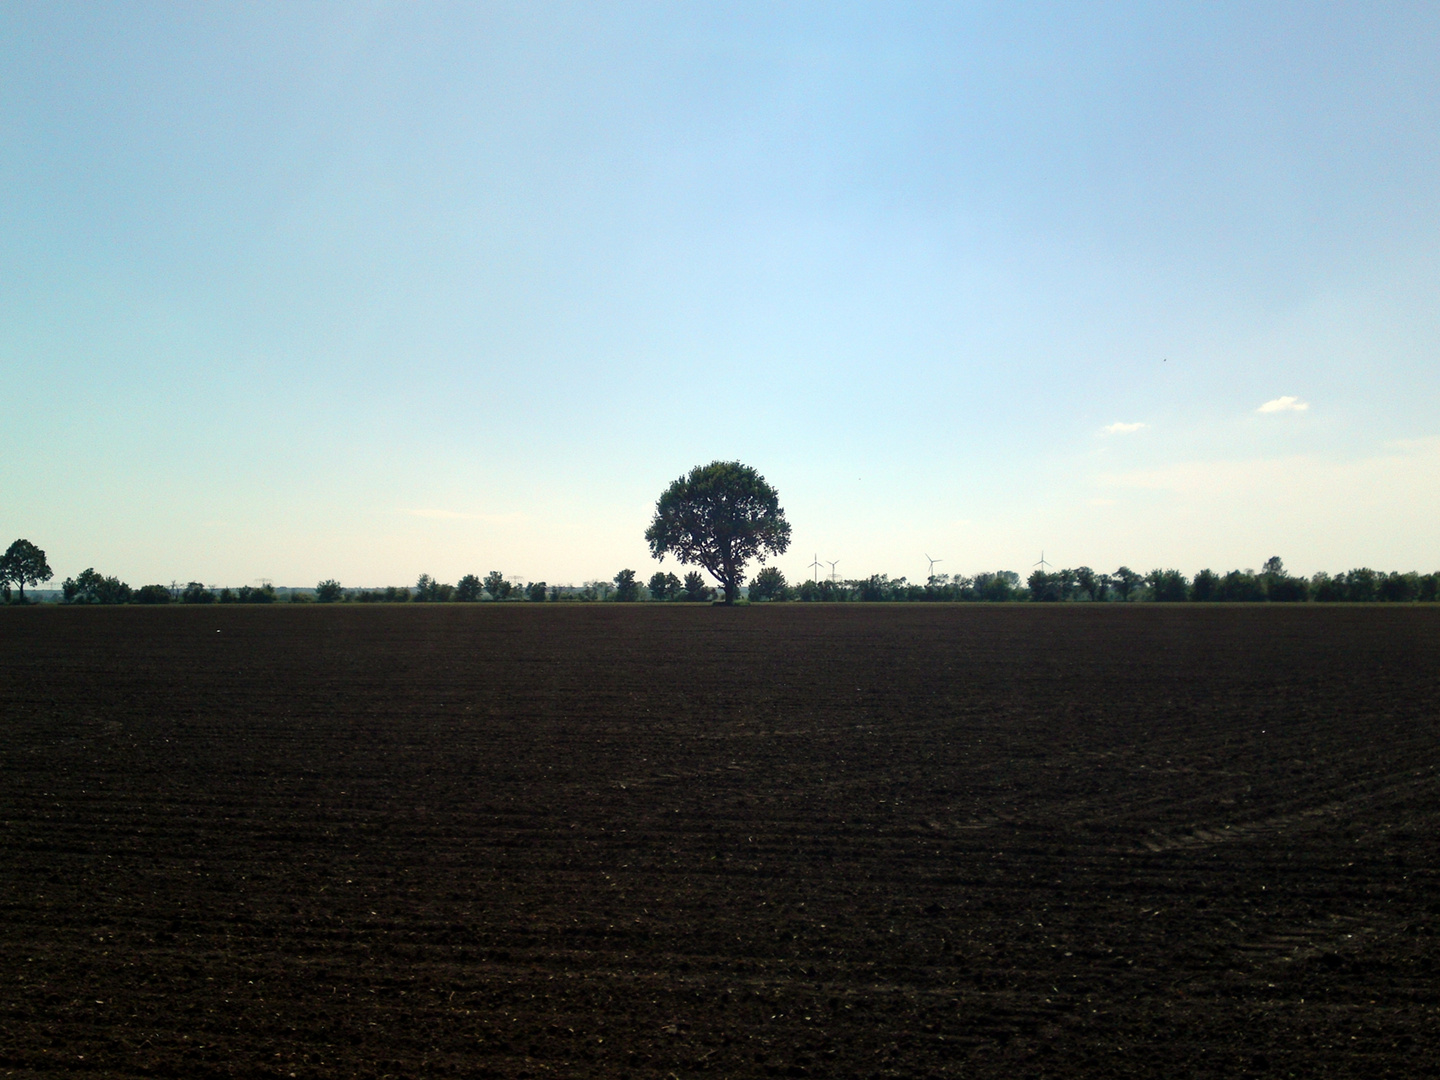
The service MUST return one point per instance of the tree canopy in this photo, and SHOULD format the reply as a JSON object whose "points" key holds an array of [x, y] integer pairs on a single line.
{"points": [[24, 564], [89, 587], [720, 516], [627, 589]]}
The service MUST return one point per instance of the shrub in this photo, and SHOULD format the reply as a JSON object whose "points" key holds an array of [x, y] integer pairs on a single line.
{"points": [[627, 589], [696, 591], [92, 588], [769, 584], [196, 593]]}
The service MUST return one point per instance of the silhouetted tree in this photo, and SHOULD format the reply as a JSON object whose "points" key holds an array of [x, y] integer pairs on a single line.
{"points": [[196, 593], [1362, 586], [1046, 588], [875, 587], [663, 586], [430, 591], [627, 589], [151, 594], [997, 587], [1429, 588], [24, 564], [497, 586], [1124, 581], [824, 591], [1206, 586], [695, 588], [88, 587], [720, 516], [1280, 586], [769, 584], [468, 589], [1051, 586], [535, 592], [1399, 588], [1167, 586], [1240, 586], [329, 591]]}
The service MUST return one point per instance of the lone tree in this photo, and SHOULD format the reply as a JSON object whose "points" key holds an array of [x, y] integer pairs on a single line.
{"points": [[24, 564], [720, 516]]}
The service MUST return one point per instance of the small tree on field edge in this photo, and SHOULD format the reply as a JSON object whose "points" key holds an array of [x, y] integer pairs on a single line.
{"points": [[769, 584], [663, 586], [24, 564], [696, 591], [627, 589], [1124, 581], [468, 589]]}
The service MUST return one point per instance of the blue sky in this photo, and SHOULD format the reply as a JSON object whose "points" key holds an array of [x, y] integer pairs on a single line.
{"points": [[365, 291]]}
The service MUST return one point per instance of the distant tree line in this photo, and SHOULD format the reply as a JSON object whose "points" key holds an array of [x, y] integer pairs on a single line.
{"points": [[1002, 585], [89, 587], [24, 564], [1270, 585]]}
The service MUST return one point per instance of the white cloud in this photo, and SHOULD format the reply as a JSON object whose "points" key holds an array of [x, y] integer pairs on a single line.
{"points": [[1284, 404], [1121, 428]]}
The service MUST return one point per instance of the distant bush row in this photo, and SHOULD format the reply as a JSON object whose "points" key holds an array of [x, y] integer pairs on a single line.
{"points": [[89, 587], [1271, 584], [24, 564]]}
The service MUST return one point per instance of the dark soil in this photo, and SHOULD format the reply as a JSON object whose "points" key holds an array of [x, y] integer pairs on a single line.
{"points": [[655, 841]]}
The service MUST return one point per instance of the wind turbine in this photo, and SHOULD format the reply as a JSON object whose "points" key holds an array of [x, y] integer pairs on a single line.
{"points": [[932, 567], [815, 566], [833, 563], [1042, 564]]}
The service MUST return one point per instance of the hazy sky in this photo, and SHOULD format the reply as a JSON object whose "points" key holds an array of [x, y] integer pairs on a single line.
{"points": [[307, 290]]}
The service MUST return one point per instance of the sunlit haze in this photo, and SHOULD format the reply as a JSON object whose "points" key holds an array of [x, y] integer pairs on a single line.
{"points": [[368, 290]]}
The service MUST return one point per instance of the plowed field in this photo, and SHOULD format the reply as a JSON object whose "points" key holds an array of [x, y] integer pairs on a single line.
{"points": [[655, 841]]}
